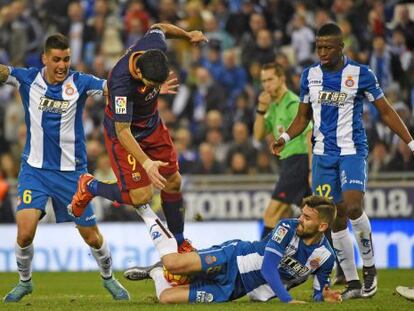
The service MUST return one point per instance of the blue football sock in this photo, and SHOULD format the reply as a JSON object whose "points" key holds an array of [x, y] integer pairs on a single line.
{"points": [[172, 206], [109, 191]]}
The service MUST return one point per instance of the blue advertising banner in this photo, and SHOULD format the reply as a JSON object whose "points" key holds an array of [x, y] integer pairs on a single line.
{"points": [[130, 243]]}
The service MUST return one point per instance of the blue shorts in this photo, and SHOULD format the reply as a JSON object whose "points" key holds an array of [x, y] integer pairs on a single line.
{"points": [[332, 175], [36, 185], [219, 280]]}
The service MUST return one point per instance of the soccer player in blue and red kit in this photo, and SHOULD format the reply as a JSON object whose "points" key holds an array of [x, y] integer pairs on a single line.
{"points": [[285, 258], [332, 95], [140, 148]]}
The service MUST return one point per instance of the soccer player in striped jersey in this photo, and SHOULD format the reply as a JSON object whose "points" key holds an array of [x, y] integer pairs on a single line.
{"points": [[54, 157], [332, 94], [294, 250]]}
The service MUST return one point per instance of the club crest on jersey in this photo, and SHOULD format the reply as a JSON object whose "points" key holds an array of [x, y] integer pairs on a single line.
{"points": [[349, 82], [52, 105], [69, 90], [136, 176], [210, 259], [120, 104], [279, 234]]}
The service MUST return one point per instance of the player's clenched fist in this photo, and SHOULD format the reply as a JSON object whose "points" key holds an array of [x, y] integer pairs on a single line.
{"points": [[151, 167]]}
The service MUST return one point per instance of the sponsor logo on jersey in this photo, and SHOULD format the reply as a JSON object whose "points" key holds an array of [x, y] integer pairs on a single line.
{"points": [[120, 104], [54, 106], [293, 267], [332, 98], [315, 82], [279, 234], [152, 94], [39, 86]]}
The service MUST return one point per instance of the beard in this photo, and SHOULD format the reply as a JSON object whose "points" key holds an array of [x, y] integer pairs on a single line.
{"points": [[302, 233]]}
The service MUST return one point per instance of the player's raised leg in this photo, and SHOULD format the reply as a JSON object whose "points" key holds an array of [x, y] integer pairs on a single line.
{"points": [[88, 188], [26, 220], [102, 255]]}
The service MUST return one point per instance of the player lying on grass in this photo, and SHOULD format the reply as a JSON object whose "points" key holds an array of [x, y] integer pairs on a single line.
{"points": [[297, 247]]}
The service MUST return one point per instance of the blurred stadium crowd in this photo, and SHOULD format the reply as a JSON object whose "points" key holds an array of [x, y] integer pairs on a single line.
{"points": [[212, 115]]}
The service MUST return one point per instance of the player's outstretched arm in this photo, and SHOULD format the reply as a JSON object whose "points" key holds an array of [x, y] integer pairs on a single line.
{"points": [[393, 121], [174, 32], [298, 125], [4, 73]]}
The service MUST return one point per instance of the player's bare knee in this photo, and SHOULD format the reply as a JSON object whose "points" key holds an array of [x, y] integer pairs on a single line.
{"points": [[25, 238], [141, 197], [354, 211], [93, 239]]}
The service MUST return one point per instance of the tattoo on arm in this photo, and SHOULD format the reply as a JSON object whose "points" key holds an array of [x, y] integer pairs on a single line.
{"points": [[4, 73]]}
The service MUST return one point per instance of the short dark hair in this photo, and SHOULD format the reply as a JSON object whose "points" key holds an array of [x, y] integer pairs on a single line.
{"points": [[279, 70], [56, 41], [153, 65], [330, 29], [325, 207]]}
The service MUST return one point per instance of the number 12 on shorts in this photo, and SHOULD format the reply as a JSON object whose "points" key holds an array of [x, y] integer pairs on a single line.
{"points": [[324, 191]]}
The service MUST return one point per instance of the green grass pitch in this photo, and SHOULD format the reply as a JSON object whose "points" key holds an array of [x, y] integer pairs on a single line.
{"points": [[83, 291]]}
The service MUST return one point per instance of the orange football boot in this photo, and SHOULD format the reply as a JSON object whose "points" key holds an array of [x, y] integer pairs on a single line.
{"points": [[82, 196]]}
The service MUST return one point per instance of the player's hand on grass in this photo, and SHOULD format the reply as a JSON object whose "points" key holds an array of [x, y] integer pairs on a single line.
{"points": [[264, 101], [171, 85], [294, 301], [151, 167], [197, 36], [277, 146], [331, 295]]}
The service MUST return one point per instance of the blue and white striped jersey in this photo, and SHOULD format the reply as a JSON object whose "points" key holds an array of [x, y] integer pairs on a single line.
{"points": [[298, 261], [53, 115], [337, 104]]}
